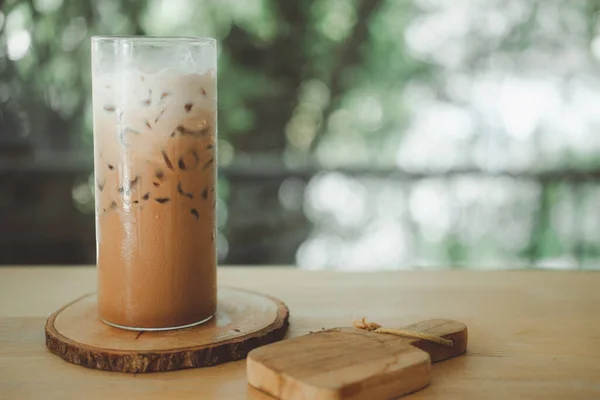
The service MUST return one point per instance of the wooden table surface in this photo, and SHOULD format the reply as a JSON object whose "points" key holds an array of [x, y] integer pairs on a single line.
{"points": [[532, 334]]}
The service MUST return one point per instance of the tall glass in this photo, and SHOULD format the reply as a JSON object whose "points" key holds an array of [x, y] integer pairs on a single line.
{"points": [[155, 131]]}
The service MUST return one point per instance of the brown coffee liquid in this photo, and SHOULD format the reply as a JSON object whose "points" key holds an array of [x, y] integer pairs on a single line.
{"points": [[155, 167]]}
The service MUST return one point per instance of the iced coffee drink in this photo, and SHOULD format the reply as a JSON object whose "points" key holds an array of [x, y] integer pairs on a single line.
{"points": [[155, 173]]}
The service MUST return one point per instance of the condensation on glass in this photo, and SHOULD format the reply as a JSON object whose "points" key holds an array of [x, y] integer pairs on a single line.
{"points": [[155, 131]]}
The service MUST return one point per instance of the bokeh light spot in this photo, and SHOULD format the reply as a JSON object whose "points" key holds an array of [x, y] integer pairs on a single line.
{"points": [[18, 44], [46, 6], [291, 194]]}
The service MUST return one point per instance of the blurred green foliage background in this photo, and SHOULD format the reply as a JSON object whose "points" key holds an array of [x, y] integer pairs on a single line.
{"points": [[354, 134]]}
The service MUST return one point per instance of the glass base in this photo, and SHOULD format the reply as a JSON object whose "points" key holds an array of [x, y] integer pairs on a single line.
{"points": [[170, 328]]}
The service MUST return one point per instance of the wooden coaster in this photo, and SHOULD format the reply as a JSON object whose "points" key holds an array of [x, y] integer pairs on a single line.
{"points": [[244, 320], [349, 363]]}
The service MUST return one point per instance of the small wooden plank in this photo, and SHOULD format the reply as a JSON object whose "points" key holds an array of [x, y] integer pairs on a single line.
{"points": [[244, 320], [349, 363]]}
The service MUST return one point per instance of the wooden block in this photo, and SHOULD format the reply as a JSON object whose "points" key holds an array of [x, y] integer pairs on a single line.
{"points": [[244, 320], [349, 363]]}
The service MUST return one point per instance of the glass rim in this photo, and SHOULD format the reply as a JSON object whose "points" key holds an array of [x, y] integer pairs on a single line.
{"points": [[156, 40]]}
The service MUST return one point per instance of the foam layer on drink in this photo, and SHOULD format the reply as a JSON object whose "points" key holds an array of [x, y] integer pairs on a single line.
{"points": [[154, 140]]}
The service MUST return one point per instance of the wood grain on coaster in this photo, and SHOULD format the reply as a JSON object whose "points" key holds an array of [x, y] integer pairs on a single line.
{"points": [[244, 321]]}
